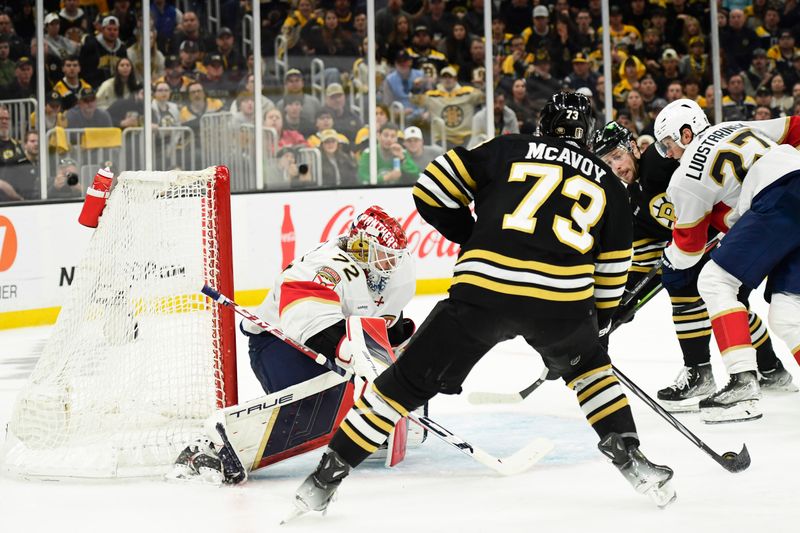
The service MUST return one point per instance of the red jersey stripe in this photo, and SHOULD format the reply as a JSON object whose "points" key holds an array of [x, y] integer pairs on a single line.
{"points": [[293, 291]]}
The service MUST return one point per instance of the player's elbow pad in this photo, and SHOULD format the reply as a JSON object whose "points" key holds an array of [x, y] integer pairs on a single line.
{"points": [[401, 331], [327, 341]]}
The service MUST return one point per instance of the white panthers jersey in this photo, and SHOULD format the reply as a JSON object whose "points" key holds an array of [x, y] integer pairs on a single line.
{"points": [[325, 286], [705, 188]]}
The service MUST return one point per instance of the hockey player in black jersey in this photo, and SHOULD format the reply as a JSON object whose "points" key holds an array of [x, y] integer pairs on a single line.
{"points": [[647, 176], [546, 258]]}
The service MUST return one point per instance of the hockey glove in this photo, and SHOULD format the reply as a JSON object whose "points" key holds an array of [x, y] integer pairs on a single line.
{"points": [[403, 329]]}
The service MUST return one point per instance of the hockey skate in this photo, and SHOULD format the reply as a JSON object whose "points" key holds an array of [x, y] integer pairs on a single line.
{"points": [[694, 383], [644, 476], [736, 402], [318, 489], [776, 380]]}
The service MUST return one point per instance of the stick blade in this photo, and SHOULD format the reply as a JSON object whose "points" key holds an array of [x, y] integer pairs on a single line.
{"points": [[486, 398], [735, 462], [523, 460]]}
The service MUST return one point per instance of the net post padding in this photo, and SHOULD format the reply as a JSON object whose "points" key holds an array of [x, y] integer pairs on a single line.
{"points": [[138, 359]]}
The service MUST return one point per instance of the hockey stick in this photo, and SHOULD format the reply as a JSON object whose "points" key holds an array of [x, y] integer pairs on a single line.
{"points": [[730, 461], [516, 463], [485, 397]]}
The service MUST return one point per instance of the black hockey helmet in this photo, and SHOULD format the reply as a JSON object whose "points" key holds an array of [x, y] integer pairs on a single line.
{"points": [[611, 136], [567, 116]]}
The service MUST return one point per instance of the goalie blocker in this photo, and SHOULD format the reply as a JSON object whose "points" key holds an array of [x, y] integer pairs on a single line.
{"points": [[294, 420]]}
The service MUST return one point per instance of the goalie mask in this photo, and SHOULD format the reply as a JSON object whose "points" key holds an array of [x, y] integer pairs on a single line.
{"points": [[377, 243]]}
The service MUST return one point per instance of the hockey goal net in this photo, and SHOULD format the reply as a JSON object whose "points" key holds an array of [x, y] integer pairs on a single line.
{"points": [[138, 357]]}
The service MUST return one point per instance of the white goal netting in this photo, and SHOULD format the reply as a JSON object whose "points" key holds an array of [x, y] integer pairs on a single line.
{"points": [[135, 361]]}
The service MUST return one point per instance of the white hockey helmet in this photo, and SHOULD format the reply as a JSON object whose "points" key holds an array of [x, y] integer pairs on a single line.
{"points": [[671, 121]]}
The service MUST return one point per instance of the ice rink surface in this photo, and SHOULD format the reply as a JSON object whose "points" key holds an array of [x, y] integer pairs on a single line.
{"points": [[436, 489]]}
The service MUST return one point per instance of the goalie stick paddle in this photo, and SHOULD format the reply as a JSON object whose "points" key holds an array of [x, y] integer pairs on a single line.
{"points": [[516, 463]]}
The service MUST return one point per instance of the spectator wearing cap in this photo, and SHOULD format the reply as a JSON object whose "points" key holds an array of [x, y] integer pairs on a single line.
{"points": [[22, 85], [763, 98], [59, 44], [190, 30], [344, 120], [15, 43], [505, 120], [100, 53], [669, 70], [582, 74], [394, 164], [215, 82], [165, 21], [86, 114], [53, 117], [178, 83], [7, 65], [421, 50], [70, 83], [769, 30], [338, 166], [540, 34], [518, 62], [188, 58], [292, 116], [72, 16], [127, 21], [66, 183], [783, 52], [122, 85], [737, 105], [738, 42], [760, 70], [298, 25], [419, 152], [453, 103], [324, 121], [439, 20], [232, 60], [540, 82], [398, 85], [620, 32], [696, 63], [293, 84], [516, 15]]}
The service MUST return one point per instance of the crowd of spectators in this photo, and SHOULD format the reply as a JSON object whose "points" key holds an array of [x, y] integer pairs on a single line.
{"points": [[430, 63]]}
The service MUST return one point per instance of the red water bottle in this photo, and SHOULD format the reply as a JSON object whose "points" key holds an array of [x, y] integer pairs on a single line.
{"points": [[96, 196], [287, 238]]}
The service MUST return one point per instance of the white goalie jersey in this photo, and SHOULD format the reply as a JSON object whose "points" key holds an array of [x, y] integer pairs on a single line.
{"points": [[706, 187], [325, 286]]}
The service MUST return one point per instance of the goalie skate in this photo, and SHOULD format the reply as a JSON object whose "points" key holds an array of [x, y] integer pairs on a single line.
{"points": [[777, 380], [645, 477], [693, 384], [736, 402]]}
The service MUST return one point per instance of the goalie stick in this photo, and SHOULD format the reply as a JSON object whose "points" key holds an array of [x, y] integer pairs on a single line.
{"points": [[516, 463]]}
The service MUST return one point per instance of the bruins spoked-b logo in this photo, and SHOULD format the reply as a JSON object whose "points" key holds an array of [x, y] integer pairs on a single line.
{"points": [[453, 116], [662, 210]]}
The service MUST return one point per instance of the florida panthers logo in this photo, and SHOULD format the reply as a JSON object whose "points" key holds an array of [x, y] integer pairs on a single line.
{"points": [[662, 210]]}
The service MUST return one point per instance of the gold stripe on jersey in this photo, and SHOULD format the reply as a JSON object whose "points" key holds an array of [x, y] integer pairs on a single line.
{"points": [[611, 274], [517, 290], [644, 256], [420, 193], [643, 242], [591, 375], [402, 411], [695, 334], [616, 406], [437, 174], [683, 299], [378, 421], [461, 170], [307, 300], [693, 323], [758, 333], [695, 316], [359, 440], [615, 254], [526, 264], [689, 225], [599, 393]]}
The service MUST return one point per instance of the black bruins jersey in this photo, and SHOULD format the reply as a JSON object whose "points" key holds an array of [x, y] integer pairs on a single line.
{"points": [[553, 231], [653, 213]]}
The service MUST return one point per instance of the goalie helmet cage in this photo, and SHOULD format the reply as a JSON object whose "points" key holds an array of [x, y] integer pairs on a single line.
{"points": [[138, 358]]}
